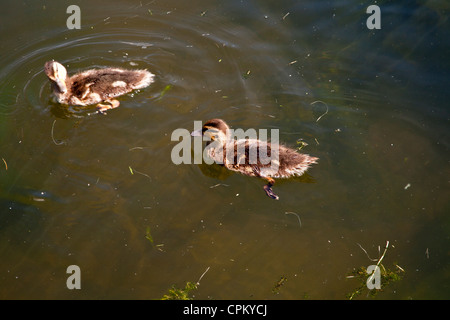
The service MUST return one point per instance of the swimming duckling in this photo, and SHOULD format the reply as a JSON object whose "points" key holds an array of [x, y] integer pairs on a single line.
{"points": [[253, 157], [96, 85]]}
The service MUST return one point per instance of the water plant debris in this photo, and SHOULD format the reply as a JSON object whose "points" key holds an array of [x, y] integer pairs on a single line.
{"points": [[54, 141], [299, 222], [366, 275], [183, 294], [312, 103]]}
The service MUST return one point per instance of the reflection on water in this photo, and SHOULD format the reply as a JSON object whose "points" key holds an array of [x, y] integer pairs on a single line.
{"points": [[82, 188]]}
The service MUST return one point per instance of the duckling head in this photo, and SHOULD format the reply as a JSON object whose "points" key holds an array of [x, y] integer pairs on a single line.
{"points": [[57, 74], [215, 130]]}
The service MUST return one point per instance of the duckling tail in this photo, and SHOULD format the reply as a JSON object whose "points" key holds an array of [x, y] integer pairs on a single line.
{"points": [[143, 79]]}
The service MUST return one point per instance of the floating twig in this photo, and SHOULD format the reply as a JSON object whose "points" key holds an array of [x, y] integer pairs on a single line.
{"points": [[219, 184], [54, 141], [299, 222], [276, 288], [141, 173], [378, 263], [198, 281], [400, 268], [366, 253], [136, 148], [325, 111]]}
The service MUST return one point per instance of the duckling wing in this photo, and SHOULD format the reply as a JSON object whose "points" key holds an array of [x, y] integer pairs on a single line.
{"points": [[252, 157]]}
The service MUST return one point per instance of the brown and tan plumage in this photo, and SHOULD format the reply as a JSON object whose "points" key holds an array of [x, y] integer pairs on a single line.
{"points": [[253, 157], [96, 85]]}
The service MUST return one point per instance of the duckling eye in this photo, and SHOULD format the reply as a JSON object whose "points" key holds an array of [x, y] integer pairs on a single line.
{"points": [[210, 135]]}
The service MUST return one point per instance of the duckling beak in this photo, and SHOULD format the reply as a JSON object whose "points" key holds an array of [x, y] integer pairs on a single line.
{"points": [[197, 133]]}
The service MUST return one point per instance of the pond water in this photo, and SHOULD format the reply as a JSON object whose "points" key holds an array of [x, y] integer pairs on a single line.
{"points": [[101, 191]]}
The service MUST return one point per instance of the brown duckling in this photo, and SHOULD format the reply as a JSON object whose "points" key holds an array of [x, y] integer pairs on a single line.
{"points": [[272, 160], [96, 85]]}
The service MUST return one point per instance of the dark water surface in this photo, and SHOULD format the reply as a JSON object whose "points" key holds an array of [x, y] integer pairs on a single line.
{"points": [[78, 188]]}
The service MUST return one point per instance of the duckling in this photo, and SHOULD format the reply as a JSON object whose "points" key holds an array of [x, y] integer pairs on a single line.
{"points": [[96, 85], [286, 162]]}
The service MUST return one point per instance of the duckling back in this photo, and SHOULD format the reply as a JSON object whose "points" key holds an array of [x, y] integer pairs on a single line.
{"points": [[261, 158], [109, 82]]}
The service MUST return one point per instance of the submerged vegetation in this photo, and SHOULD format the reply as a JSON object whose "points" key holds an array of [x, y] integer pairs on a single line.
{"points": [[367, 276], [387, 276], [175, 293], [277, 286], [371, 280], [149, 237]]}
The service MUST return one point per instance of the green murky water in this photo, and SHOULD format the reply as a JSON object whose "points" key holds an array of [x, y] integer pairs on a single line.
{"points": [[84, 189]]}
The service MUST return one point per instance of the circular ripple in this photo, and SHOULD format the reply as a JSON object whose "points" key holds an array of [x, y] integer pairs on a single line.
{"points": [[194, 56]]}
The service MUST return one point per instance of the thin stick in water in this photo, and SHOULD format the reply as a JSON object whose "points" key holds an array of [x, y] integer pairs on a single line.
{"points": [[400, 267], [198, 281], [385, 249], [219, 184], [378, 263], [366, 253], [325, 111], [136, 148], [144, 174], [299, 222], [54, 141]]}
